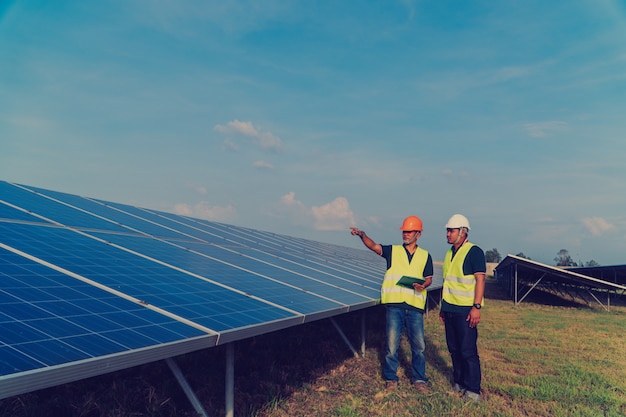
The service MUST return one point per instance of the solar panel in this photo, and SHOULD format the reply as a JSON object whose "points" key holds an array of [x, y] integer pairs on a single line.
{"points": [[89, 286]]}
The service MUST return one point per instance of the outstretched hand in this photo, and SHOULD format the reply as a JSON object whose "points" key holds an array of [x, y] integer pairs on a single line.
{"points": [[355, 231]]}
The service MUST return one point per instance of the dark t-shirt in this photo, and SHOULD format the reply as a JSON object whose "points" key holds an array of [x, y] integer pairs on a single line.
{"points": [[474, 263], [428, 270]]}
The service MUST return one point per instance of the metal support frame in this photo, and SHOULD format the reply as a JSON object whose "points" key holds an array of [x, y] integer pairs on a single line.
{"points": [[229, 385], [363, 333], [608, 299], [573, 292], [229, 377], [431, 297], [580, 293], [344, 337], [532, 287], [197, 405]]}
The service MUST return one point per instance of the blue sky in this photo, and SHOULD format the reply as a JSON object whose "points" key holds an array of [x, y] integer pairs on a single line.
{"points": [[308, 117]]}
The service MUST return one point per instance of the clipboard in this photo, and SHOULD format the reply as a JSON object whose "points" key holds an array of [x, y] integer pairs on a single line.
{"points": [[408, 282]]}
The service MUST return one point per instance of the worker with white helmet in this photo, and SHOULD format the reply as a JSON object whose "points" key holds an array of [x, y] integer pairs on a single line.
{"points": [[404, 305], [464, 271]]}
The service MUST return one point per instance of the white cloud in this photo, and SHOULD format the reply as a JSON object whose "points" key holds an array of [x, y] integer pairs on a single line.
{"points": [[229, 145], [197, 188], [265, 140], [450, 174], [335, 215], [203, 210], [597, 225], [263, 165], [543, 129], [295, 210]]}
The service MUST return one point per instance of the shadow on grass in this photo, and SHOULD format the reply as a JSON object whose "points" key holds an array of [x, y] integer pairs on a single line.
{"points": [[273, 366]]}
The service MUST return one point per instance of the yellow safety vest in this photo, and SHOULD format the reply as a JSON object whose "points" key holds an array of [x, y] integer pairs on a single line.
{"points": [[458, 289], [397, 294]]}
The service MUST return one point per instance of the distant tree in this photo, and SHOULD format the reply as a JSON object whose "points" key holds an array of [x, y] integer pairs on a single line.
{"points": [[563, 258], [592, 263], [521, 255], [493, 255]]}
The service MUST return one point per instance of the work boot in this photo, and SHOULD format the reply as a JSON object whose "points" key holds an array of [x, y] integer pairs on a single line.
{"points": [[391, 385], [471, 396], [421, 387]]}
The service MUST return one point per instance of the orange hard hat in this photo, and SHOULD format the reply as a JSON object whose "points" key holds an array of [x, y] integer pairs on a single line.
{"points": [[411, 223]]}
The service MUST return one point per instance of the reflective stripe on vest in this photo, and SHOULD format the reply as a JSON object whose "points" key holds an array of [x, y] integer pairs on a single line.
{"points": [[392, 293], [458, 289]]}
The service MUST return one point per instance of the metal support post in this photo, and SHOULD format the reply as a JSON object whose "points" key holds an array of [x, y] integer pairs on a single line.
{"points": [[363, 333], [343, 336], [186, 388], [229, 386]]}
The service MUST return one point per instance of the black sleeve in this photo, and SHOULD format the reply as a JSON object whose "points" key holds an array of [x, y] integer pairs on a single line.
{"points": [[428, 268], [386, 254], [475, 261]]}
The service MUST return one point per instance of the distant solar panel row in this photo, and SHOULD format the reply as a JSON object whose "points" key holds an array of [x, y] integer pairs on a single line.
{"points": [[83, 279]]}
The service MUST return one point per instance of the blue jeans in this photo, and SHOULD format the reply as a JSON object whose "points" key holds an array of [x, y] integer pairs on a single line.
{"points": [[397, 319], [461, 340]]}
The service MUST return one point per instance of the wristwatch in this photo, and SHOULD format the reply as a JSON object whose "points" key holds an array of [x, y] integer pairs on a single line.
{"points": [[477, 306]]}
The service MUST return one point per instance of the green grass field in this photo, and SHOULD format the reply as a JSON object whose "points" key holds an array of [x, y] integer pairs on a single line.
{"points": [[537, 360]]}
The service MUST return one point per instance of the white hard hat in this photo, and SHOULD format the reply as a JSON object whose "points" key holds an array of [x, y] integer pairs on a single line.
{"points": [[458, 221]]}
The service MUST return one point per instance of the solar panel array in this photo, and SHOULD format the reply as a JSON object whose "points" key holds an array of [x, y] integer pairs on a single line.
{"points": [[521, 276], [88, 286]]}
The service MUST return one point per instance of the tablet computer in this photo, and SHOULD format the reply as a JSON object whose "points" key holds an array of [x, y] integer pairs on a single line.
{"points": [[408, 282]]}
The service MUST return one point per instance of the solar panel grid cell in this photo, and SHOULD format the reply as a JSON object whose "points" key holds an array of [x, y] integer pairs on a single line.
{"points": [[13, 214], [55, 211]]}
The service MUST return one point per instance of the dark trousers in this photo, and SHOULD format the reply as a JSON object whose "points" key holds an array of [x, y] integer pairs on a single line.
{"points": [[461, 340]]}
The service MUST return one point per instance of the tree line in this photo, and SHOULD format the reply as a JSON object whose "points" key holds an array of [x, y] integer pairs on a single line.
{"points": [[562, 258]]}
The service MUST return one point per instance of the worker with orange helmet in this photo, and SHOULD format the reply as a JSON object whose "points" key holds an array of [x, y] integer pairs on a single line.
{"points": [[404, 303], [464, 271]]}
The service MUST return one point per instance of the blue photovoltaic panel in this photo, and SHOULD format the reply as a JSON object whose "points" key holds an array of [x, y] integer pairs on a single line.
{"points": [[120, 285], [48, 318], [266, 281], [326, 283], [109, 211], [334, 284], [185, 228], [207, 304], [52, 210], [343, 271], [321, 255], [13, 214], [236, 276], [342, 277]]}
